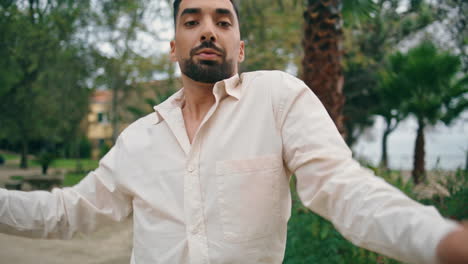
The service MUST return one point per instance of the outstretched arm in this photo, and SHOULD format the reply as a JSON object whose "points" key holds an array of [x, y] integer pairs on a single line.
{"points": [[96, 200], [453, 249], [364, 208]]}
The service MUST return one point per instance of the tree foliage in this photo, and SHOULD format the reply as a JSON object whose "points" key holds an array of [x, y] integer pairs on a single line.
{"points": [[272, 34], [41, 61], [367, 45], [153, 93], [453, 16], [428, 82], [53, 52], [118, 25]]}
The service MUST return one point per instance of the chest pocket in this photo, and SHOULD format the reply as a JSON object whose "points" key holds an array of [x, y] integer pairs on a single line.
{"points": [[248, 195]]}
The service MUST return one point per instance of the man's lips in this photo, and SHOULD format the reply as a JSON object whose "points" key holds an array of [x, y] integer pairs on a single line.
{"points": [[208, 54]]}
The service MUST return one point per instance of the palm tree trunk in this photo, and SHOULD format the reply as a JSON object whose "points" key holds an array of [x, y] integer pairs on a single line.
{"points": [[322, 70], [419, 168], [384, 158], [389, 128]]}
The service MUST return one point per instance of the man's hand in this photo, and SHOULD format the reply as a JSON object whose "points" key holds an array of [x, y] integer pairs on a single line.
{"points": [[453, 249]]}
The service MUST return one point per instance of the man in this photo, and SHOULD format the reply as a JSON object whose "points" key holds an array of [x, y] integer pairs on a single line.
{"points": [[207, 174]]}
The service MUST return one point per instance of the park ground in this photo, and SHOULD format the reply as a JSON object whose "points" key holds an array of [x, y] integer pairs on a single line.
{"points": [[111, 244]]}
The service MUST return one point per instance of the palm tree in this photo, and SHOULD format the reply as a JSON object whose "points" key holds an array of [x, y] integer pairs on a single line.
{"points": [[322, 42], [390, 97], [322, 70], [433, 90]]}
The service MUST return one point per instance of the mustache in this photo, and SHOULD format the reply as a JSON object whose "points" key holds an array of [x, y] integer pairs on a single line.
{"points": [[206, 45]]}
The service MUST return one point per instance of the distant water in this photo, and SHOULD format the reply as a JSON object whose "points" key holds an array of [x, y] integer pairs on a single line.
{"points": [[446, 147]]}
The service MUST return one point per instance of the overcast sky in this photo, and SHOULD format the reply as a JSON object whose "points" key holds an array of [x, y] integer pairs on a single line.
{"points": [[446, 147]]}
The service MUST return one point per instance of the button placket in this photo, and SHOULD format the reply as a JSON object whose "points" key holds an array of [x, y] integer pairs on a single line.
{"points": [[195, 209]]}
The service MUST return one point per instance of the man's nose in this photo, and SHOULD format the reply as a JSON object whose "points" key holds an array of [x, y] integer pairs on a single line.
{"points": [[208, 33]]}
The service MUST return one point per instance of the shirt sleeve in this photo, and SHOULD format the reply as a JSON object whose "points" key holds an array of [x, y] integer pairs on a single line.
{"points": [[93, 202], [364, 208]]}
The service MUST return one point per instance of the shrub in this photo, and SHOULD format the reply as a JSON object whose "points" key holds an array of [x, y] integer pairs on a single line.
{"points": [[313, 239], [454, 206], [103, 150], [85, 148], [45, 158]]}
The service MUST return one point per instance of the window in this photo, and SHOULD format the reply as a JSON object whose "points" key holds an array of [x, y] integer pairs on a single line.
{"points": [[102, 118]]}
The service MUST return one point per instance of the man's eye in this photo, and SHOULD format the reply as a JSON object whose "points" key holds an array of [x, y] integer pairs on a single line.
{"points": [[191, 23], [224, 24]]}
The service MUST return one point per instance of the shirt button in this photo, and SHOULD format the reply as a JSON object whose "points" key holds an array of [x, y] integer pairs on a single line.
{"points": [[191, 168]]}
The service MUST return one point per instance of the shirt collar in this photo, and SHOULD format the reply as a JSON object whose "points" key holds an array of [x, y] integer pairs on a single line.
{"points": [[231, 86], [171, 103]]}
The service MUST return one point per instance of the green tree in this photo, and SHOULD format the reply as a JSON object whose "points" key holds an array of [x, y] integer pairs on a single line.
{"points": [[391, 99], [154, 92], [34, 37], [118, 24], [429, 76], [452, 14], [67, 78], [272, 34], [367, 44]]}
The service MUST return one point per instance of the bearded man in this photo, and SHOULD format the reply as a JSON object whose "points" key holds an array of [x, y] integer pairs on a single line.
{"points": [[207, 174]]}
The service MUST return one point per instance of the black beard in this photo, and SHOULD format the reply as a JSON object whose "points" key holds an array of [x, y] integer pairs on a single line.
{"points": [[207, 71]]}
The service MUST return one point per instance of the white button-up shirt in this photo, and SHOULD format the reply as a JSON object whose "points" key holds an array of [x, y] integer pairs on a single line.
{"points": [[225, 198]]}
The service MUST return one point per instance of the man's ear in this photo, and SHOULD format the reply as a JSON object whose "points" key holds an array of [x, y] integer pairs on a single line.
{"points": [[242, 51], [173, 51]]}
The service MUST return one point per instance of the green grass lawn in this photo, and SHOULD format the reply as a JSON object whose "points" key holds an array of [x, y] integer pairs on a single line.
{"points": [[71, 164], [72, 179], [9, 156], [87, 164]]}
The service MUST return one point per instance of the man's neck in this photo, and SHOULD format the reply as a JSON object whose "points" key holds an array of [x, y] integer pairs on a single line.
{"points": [[198, 98]]}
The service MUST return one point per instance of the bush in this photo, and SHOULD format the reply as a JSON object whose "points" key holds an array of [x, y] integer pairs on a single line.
{"points": [[454, 206], [85, 148], [313, 239], [103, 150], [45, 158], [2, 160]]}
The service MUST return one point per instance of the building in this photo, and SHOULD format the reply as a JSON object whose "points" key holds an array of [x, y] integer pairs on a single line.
{"points": [[99, 127], [142, 97]]}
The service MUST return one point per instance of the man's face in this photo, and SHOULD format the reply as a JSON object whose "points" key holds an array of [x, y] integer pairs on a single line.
{"points": [[207, 41]]}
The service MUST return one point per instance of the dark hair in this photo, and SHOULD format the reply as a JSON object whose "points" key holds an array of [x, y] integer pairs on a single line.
{"points": [[177, 4]]}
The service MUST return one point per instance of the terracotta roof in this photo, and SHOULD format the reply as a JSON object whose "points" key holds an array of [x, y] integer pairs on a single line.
{"points": [[101, 96]]}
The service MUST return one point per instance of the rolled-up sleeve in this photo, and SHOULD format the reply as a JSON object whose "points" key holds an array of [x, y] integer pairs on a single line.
{"points": [[93, 202], [364, 208]]}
